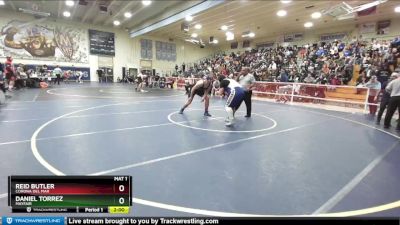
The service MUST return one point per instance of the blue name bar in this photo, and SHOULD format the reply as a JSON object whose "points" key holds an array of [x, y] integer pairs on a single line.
{"points": [[10, 220]]}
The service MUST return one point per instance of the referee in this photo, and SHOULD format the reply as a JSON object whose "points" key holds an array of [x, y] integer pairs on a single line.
{"points": [[394, 103], [247, 80]]}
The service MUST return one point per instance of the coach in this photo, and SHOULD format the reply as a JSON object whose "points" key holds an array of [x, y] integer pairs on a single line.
{"points": [[247, 80], [394, 89]]}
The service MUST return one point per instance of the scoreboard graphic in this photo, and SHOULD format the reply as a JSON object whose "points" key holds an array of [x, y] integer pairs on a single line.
{"points": [[43, 195], [70, 194]]}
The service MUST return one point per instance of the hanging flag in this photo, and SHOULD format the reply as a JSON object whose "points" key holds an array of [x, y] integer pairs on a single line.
{"points": [[367, 12]]}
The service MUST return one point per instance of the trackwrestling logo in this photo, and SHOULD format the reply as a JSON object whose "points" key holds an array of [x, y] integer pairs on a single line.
{"points": [[33, 220]]}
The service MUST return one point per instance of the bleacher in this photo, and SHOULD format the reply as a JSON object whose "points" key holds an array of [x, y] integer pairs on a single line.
{"points": [[346, 94]]}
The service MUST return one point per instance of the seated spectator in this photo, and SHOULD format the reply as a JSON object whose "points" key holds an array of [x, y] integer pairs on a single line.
{"points": [[309, 79], [170, 82], [283, 76]]}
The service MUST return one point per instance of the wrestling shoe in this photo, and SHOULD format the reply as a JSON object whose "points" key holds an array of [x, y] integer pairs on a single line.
{"points": [[229, 123], [207, 114]]}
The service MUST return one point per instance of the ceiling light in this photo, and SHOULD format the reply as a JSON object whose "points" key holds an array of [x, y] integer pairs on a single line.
{"points": [[198, 26], [146, 2], [308, 24], [69, 3], [223, 27], [316, 15], [286, 2], [189, 18], [194, 35], [281, 13], [248, 34], [397, 9], [128, 15], [215, 41], [67, 14], [117, 23], [229, 36]]}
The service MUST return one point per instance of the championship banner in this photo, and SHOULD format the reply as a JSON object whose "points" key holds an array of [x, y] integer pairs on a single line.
{"points": [[288, 38], [331, 37], [234, 45], [293, 37], [265, 45], [383, 27], [367, 28]]}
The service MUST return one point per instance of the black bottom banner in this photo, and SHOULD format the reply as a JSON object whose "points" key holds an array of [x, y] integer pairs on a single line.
{"points": [[232, 221]]}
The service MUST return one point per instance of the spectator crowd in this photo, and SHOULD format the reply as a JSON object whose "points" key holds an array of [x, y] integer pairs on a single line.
{"points": [[323, 63], [17, 76], [376, 62]]}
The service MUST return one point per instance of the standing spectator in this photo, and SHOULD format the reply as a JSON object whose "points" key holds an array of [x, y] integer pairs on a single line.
{"points": [[79, 74], [21, 77], [284, 77], [392, 59], [10, 73], [374, 88], [370, 71], [385, 97], [141, 82], [247, 81], [156, 82], [100, 74], [2, 85], [57, 71], [66, 76], [44, 70], [272, 67], [394, 103]]}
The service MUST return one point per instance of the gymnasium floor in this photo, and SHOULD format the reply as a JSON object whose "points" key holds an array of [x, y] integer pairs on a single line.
{"points": [[285, 160]]}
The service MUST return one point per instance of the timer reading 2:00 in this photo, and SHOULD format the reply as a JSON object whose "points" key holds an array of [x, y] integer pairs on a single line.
{"points": [[118, 209]]}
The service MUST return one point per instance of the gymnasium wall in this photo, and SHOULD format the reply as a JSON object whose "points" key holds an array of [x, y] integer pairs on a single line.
{"points": [[313, 35], [186, 53], [127, 50]]}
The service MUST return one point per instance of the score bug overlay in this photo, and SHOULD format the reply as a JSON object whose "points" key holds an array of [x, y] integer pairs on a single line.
{"points": [[68, 194], [194, 221]]}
